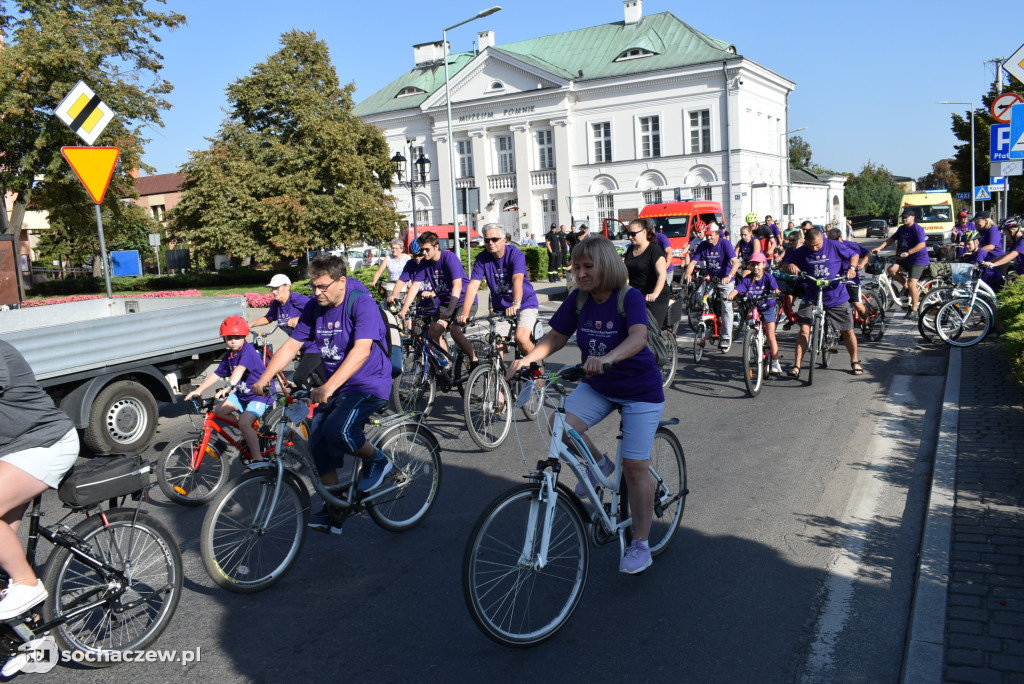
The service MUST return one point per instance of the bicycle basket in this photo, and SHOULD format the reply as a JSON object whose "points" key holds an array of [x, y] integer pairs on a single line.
{"points": [[962, 273], [102, 478]]}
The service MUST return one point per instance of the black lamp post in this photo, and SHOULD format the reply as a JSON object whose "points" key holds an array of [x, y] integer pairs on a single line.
{"points": [[419, 178]]}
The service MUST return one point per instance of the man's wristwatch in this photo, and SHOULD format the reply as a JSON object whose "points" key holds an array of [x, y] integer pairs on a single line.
{"points": [[515, 303]]}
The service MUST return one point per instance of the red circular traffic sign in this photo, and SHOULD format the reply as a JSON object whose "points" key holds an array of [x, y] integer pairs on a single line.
{"points": [[1001, 106]]}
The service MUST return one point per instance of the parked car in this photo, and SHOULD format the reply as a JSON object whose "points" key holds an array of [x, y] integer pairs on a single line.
{"points": [[879, 226]]}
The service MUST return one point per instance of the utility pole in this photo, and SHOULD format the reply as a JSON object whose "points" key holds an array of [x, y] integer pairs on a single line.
{"points": [[998, 61]]}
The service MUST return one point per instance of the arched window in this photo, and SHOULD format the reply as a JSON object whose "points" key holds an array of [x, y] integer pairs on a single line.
{"points": [[497, 85], [634, 53], [409, 91]]}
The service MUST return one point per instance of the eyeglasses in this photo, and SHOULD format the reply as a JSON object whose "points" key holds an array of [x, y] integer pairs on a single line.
{"points": [[493, 240], [632, 233], [322, 288]]}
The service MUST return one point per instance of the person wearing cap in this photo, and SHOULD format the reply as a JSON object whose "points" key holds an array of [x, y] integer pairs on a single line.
{"points": [[1013, 228], [285, 311], [426, 303], [912, 253], [990, 248], [394, 262], [758, 284], [722, 263], [962, 226]]}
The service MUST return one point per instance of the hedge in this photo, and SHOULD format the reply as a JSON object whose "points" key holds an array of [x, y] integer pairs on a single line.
{"points": [[1011, 315], [226, 277]]}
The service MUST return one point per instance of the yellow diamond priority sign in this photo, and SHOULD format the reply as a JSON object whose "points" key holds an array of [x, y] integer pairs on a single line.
{"points": [[94, 166], [84, 112]]}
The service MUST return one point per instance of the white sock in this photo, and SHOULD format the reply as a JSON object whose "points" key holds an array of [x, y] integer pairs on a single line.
{"points": [[642, 542]]}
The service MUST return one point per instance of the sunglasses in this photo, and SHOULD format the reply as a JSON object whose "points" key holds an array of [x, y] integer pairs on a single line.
{"points": [[493, 240], [322, 288], [634, 233]]}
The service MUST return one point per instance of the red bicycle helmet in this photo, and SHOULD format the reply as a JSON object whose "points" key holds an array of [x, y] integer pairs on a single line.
{"points": [[234, 325]]}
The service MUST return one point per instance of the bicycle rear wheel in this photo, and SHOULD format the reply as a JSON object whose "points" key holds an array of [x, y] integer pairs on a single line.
{"points": [[136, 605], [874, 324], [668, 469], [243, 550], [487, 407], [415, 388], [188, 486], [961, 324], [700, 340], [416, 457], [753, 362], [668, 369], [511, 599], [829, 341]]}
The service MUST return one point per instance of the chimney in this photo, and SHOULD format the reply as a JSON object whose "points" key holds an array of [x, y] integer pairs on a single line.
{"points": [[634, 11], [428, 53], [486, 39]]}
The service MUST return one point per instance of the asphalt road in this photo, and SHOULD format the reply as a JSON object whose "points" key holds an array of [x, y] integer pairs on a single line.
{"points": [[794, 561]]}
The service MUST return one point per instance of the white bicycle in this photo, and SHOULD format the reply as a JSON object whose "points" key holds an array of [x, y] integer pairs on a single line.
{"points": [[527, 559]]}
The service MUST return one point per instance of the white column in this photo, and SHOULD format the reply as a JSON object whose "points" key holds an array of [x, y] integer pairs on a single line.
{"points": [[563, 170], [444, 179], [481, 164], [524, 188]]}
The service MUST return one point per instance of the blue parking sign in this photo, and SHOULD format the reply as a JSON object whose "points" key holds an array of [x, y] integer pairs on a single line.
{"points": [[999, 145], [1016, 132]]}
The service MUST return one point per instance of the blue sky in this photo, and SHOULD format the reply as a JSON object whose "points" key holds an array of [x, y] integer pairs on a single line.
{"points": [[868, 73]]}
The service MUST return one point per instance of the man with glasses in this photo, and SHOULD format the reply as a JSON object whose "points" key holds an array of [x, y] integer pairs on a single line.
{"points": [[441, 272], [722, 263], [345, 322], [504, 267], [285, 311]]}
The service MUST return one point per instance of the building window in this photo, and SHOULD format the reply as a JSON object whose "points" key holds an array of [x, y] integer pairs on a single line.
{"points": [[652, 197], [545, 150], [497, 85], [650, 137], [422, 217], [700, 131], [506, 155], [633, 53], [702, 193], [605, 207], [602, 142], [158, 212], [464, 151], [409, 91]]}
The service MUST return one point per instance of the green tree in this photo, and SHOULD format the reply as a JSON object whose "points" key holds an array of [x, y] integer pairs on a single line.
{"points": [[799, 153], [983, 121], [872, 192], [941, 176], [49, 45], [292, 168]]}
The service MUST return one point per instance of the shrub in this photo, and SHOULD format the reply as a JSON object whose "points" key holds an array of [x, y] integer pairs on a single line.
{"points": [[536, 263], [1011, 315]]}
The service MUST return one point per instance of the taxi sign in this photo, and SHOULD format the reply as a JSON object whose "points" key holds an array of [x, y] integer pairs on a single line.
{"points": [[84, 113], [1001, 106], [94, 166]]}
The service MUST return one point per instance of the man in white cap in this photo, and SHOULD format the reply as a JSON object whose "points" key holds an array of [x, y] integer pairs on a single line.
{"points": [[285, 311], [722, 263]]}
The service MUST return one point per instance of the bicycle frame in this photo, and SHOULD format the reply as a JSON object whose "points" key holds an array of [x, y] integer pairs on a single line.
{"points": [[214, 423], [707, 314]]}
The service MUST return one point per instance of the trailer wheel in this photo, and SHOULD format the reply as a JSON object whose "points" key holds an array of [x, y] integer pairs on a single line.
{"points": [[123, 418]]}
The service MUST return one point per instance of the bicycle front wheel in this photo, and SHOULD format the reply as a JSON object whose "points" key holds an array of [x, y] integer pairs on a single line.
{"points": [[487, 407], [511, 598], [874, 324], [700, 339], [184, 484], [416, 476], [812, 351], [753, 362], [926, 321], [136, 605], [245, 546], [668, 369], [961, 324]]}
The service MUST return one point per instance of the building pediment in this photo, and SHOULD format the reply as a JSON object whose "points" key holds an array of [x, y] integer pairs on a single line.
{"points": [[494, 74]]}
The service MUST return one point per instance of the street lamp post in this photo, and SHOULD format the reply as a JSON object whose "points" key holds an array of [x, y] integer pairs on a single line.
{"points": [[974, 204], [416, 177], [451, 141], [789, 174]]}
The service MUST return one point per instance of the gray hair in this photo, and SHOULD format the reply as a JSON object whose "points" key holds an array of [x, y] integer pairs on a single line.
{"points": [[492, 226]]}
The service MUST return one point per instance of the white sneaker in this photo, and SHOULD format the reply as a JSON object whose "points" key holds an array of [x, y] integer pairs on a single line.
{"points": [[17, 598], [637, 558], [775, 368], [725, 346]]}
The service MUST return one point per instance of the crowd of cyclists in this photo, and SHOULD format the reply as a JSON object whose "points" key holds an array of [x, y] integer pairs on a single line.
{"points": [[338, 331]]}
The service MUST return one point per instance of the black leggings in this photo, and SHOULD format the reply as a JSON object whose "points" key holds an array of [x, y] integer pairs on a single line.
{"points": [[310, 367]]}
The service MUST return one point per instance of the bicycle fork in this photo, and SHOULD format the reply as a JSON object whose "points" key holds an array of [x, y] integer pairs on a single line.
{"points": [[535, 551]]}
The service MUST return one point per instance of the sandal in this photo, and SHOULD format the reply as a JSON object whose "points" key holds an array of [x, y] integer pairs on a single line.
{"points": [[794, 372], [856, 368]]}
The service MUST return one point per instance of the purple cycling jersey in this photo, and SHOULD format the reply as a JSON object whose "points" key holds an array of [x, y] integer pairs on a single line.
{"points": [[499, 272], [1018, 262], [825, 264], [250, 359], [666, 246], [600, 329]]}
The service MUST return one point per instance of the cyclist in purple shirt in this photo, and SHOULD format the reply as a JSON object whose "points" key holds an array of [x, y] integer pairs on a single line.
{"points": [[504, 267], [823, 259], [346, 323], [632, 380], [1013, 228], [758, 284], [913, 254], [990, 248], [853, 289], [285, 311], [722, 263]]}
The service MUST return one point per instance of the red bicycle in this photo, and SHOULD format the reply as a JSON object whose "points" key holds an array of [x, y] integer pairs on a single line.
{"points": [[709, 322]]}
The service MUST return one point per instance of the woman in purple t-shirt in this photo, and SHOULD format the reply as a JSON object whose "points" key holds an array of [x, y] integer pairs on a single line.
{"points": [[632, 380], [746, 247], [1014, 229]]}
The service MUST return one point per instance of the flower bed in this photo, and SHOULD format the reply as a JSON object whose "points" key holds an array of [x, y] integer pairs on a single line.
{"points": [[82, 298]]}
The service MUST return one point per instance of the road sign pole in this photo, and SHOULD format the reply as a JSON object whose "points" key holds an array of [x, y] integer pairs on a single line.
{"points": [[103, 252]]}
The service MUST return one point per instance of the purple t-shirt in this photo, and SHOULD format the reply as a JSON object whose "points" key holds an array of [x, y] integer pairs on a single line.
{"points": [[777, 233], [958, 231], [717, 257], [745, 249], [906, 238], [499, 272], [335, 332], [600, 329], [1018, 262], [864, 254], [425, 306], [250, 359], [757, 288], [824, 264], [666, 246], [282, 313], [991, 236], [441, 274]]}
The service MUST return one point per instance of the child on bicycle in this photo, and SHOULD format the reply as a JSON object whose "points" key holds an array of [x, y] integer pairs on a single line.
{"points": [[242, 366], [758, 284]]}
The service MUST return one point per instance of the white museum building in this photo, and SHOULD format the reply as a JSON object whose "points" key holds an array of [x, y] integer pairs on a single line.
{"points": [[596, 123]]}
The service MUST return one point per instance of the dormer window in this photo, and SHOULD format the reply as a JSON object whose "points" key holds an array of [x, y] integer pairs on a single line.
{"points": [[410, 90], [634, 53], [497, 85]]}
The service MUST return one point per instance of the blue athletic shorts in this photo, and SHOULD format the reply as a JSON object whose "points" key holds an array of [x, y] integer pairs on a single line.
{"points": [[639, 418], [256, 408]]}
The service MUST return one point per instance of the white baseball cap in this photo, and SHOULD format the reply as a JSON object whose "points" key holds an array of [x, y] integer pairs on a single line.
{"points": [[279, 280], [711, 227]]}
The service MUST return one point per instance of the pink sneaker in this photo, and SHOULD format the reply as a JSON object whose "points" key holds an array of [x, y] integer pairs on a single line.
{"points": [[637, 558], [606, 466]]}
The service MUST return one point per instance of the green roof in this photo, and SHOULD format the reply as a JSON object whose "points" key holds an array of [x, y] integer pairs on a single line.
{"points": [[590, 50], [799, 175]]}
